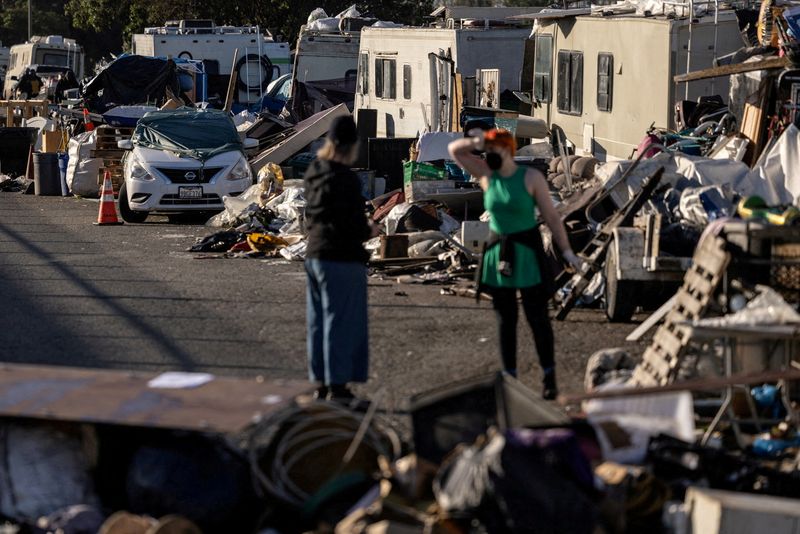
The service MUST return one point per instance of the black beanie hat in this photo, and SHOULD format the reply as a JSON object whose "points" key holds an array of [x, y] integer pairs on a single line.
{"points": [[343, 131]]}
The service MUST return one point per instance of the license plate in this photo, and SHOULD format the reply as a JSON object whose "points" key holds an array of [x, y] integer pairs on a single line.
{"points": [[190, 192]]}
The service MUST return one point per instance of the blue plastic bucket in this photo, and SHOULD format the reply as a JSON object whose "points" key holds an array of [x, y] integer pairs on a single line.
{"points": [[63, 161]]}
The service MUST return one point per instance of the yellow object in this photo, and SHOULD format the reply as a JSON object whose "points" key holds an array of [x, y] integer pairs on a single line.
{"points": [[265, 242], [755, 208]]}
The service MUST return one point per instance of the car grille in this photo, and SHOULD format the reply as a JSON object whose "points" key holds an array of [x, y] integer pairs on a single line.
{"points": [[175, 200], [201, 176]]}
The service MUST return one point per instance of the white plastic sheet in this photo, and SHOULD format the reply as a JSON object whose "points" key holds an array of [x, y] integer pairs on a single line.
{"points": [[433, 145], [778, 172], [641, 417]]}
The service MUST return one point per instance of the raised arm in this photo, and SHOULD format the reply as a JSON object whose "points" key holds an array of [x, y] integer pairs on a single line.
{"points": [[461, 151]]}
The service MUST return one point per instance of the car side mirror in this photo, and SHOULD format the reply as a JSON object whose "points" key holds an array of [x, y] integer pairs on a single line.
{"points": [[125, 144], [249, 142]]}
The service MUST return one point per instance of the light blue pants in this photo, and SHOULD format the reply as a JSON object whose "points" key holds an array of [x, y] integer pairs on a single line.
{"points": [[336, 316]]}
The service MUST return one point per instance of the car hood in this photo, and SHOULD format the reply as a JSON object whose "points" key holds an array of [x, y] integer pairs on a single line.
{"points": [[153, 157]]}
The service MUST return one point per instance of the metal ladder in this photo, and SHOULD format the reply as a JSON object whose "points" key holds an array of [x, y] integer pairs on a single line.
{"points": [[595, 252], [690, 5]]}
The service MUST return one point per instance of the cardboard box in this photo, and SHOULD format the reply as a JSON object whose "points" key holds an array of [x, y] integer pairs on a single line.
{"points": [[420, 189], [51, 141]]}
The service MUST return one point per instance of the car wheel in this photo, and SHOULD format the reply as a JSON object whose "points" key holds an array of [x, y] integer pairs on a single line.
{"points": [[128, 215]]}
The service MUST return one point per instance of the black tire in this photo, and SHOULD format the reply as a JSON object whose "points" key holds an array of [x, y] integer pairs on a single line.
{"points": [[266, 64], [125, 211], [620, 294]]}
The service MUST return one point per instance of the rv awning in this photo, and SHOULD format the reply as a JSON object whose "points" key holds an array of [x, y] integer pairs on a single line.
{"points": [[554, 14]]}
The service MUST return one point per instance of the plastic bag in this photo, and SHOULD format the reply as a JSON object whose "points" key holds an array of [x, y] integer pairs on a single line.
{"points": [[44, 470], [349, 13], [317, 14], [272, 175]]}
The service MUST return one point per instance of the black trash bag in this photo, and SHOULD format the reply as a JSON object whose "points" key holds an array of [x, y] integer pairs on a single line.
{"points": [[195, 477], [218, 242], [417, 219], [535, 481]]}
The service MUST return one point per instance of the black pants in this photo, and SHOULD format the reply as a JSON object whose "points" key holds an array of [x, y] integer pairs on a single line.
{"points": [[534, 304]]}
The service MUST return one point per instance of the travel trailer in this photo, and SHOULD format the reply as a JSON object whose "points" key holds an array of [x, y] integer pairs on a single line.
{"points": [[605, 78], [325, 67], [260, 59], [48, 56], [409, 75]]}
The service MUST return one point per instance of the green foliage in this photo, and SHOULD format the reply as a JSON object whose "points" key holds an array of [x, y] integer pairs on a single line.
{"points": [[105, 27]]}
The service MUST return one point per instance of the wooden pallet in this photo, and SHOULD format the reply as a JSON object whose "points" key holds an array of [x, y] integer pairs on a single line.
{"points": [[107, 149], [662, 358]]}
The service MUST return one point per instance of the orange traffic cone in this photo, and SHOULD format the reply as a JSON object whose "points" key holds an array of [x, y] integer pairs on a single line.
{"points": [[108, 210]]}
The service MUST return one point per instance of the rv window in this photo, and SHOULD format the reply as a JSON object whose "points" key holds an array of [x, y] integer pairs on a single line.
{"points": [[363, 78], [385, 78], [543, 68], [605, 81], [570, 82], [407, 82], [56, 60]]}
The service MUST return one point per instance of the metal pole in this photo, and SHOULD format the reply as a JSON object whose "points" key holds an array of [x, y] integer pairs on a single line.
{"points": [[261, 84], [30, 32]]}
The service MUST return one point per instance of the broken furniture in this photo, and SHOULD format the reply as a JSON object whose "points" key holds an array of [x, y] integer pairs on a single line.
{"points": [[595, 252]]}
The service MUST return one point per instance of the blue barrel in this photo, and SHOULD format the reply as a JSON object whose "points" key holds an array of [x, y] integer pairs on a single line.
{"points": [[63, 161]]}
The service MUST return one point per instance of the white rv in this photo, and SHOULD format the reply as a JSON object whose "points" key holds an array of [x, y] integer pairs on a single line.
{"points": [[605, 78], [409, 74], [48, 56], [260, 59]]}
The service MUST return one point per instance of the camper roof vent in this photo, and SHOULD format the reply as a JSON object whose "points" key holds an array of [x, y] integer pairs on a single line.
{"points": [[54, 40]]}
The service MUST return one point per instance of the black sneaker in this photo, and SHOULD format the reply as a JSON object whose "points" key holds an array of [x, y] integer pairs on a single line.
{"points": [[340, 393], [321, 393], [549, 388]]}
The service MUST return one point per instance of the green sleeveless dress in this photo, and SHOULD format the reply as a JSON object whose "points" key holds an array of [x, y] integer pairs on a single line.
{"points": [[512, 210]]}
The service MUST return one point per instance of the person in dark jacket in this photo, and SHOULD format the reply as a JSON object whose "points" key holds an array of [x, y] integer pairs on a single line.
{"points": [[336, 295]]}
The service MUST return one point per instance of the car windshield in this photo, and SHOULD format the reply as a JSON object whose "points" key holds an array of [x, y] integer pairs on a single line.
{"points": [[200, 134]]}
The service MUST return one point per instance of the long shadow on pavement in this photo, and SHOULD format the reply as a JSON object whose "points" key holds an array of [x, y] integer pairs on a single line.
{"points": [[166, 345]]}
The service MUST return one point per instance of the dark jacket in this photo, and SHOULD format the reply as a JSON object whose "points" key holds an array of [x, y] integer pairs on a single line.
{"points": [[335, 219]]}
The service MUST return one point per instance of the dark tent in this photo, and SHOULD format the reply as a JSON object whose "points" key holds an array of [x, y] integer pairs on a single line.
{"points": [[131, 80]]}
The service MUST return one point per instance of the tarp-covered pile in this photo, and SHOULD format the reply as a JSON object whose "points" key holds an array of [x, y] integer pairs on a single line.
{"points": [[132, 79]]}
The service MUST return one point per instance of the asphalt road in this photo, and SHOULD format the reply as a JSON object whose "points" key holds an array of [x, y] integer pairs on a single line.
{"points": [[130, 297]]}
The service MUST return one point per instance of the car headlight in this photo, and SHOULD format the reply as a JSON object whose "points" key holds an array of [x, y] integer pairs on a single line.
{"points": [[137, 171], [241, 171]]}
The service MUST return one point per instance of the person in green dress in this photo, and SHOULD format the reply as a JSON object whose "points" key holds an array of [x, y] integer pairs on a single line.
{"points": [[512, 260]]}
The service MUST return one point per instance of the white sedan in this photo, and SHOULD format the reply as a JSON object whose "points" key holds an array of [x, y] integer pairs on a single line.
{"points": [[182, 161]]}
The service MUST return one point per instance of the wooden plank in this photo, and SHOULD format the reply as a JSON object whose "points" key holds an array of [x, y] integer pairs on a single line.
{"points": [[304, 132], [728, 70], [456, 102], [231, 82], [651, 321], [126, 398]]}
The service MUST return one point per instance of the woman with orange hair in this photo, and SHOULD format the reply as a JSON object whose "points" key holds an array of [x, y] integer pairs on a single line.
{"points": [[513, 260]]}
